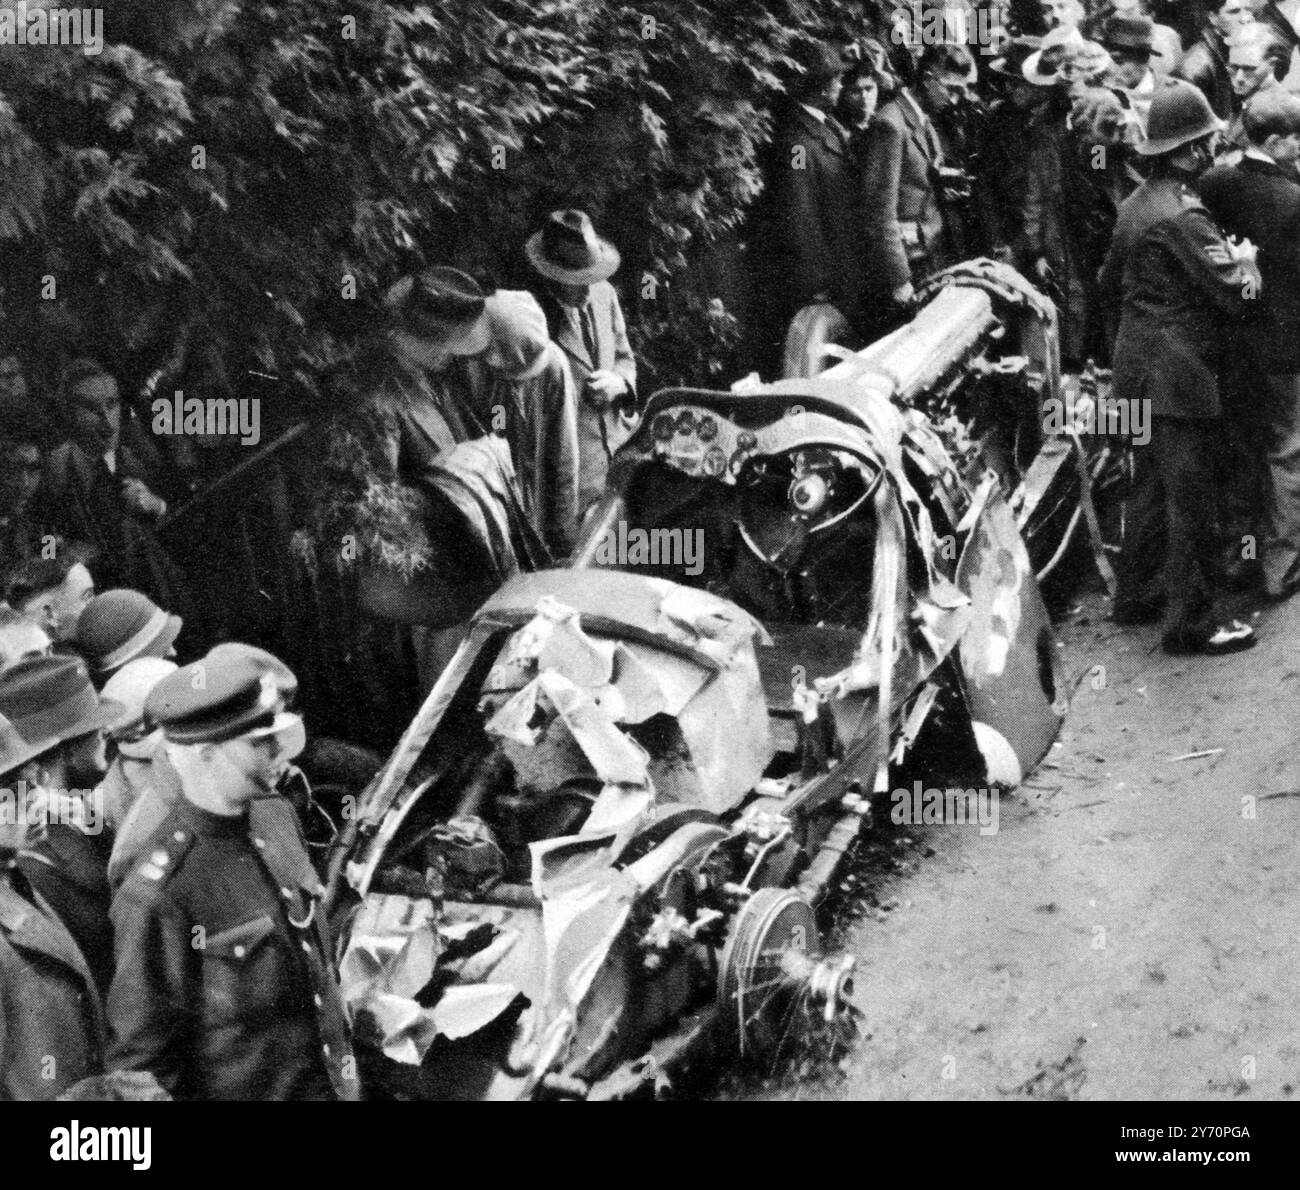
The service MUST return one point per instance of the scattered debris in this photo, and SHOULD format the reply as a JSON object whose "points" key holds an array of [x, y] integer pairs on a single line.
{"points": [[1056, 1081]]}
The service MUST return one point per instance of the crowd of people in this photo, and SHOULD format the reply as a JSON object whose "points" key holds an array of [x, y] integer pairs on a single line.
{"points": [[162, 930], [1144, 177]]}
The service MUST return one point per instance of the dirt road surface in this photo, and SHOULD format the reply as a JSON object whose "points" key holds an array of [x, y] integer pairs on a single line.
{"points": [[1131, 930]]}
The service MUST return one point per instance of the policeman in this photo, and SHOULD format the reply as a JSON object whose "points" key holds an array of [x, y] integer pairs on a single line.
{"points": [[51, 1021], [224, 988], [1183, 285]]}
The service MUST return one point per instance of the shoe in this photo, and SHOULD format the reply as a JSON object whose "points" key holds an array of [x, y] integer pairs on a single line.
{"points": [[1231, 637]]}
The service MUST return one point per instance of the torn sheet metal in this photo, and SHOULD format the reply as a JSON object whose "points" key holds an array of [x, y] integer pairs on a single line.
{"points": [[581, 924], [393, 945], [614, 757], [728, 733], [392, 953], [722, 715], [712, 625], [652, 682]]}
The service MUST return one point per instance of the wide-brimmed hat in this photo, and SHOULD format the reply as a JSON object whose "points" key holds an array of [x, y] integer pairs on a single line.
{"points": [[568, 250], [130, 686], [1131, 33], [51, 698], [1180, 114], [1043, 66], [16, 750], [442, 305], [1011, 63], [121, 625]]}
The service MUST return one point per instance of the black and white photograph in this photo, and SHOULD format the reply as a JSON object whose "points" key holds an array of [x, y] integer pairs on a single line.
{"points": [[715, 551]]}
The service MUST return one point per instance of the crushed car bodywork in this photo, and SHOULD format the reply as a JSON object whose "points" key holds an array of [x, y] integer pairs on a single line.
{"points": [[605, 833]]}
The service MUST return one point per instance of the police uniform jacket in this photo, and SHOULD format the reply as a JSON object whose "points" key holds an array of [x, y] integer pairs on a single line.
{"points": [[1182, 291], [224, 986], [1157, 199], [51, 1020]]}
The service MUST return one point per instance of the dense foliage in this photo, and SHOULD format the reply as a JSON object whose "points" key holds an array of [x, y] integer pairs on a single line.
{"points": [[207, 191]]}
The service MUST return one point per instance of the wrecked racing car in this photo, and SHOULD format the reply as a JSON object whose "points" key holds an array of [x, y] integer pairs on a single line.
{"points": [[980, 358], [601, 842]]}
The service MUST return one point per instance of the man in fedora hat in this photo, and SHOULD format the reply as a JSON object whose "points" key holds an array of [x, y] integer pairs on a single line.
{"points": [[51, 1020], [1166, 45], [586, 322], [1128, 40], [1069, 202], [225, 987], [399, 401], [120, 625], [52, 698], [1002, 180], [1044, 65], [1183, 287], [436, 314]]}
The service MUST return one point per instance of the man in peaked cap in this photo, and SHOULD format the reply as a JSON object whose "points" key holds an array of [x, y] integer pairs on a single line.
{"points": [[51, 1021], [51, 698], [224, 985], [138, 742]]}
